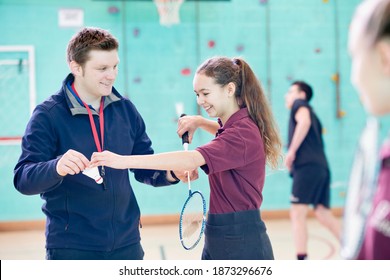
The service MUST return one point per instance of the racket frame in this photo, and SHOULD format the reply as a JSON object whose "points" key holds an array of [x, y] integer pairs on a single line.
{"points": [[191, 194], [185, 143]]}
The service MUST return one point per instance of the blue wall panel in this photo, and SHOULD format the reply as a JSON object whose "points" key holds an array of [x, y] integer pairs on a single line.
{"points": [[282, 40]]}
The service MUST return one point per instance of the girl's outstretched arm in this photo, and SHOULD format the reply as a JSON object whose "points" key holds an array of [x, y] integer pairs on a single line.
{"points": [[180, 160]]}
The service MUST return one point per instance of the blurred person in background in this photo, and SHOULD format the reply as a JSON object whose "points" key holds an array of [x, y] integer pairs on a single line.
{"points": [[308, 167], [369, 46]]}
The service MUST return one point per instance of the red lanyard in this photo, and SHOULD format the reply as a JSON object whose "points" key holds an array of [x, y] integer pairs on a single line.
{"points": [[92, 122]]}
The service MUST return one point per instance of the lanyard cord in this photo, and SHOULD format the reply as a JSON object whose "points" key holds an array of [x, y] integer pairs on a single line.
{"points": [[92, 122]]}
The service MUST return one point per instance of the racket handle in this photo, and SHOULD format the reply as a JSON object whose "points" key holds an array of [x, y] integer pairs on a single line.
{"points": [[184, 137]]}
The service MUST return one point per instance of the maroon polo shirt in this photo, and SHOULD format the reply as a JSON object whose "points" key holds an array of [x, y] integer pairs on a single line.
{"points": [[235, 163]]}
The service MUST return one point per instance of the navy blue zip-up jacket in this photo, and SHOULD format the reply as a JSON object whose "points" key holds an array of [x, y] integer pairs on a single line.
{"points": [[82, 214]]}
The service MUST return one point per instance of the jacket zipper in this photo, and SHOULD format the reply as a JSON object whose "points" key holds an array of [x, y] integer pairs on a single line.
{"points": [[67, 212], [103, 174]]}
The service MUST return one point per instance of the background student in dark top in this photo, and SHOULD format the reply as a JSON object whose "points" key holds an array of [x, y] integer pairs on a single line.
{"points": [[308, 166]]}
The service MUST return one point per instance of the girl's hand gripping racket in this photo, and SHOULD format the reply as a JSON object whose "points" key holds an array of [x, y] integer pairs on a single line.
{"points": [[361, 189], [193, 214]]}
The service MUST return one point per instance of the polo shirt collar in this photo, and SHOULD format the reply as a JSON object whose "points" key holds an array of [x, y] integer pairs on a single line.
{"points": [[77, 108], [240, 114]]}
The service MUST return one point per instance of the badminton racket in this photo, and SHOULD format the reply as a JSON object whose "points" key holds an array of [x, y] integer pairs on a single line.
{"points": [[193, 214], [361, 189]]}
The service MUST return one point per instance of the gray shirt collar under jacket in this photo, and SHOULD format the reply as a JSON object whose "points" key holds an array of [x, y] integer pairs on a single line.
{"points": [[78, 109]]}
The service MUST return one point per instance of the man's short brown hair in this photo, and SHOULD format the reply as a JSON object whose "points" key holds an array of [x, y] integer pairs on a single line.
{"points": [[87, 39]]}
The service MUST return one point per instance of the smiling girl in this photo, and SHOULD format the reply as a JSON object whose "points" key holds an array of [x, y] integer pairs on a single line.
{"points": [[246, 139]]}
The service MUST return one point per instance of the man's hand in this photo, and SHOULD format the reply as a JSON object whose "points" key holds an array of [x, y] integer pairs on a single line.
{"points": [[72, 162], [288, 161]]}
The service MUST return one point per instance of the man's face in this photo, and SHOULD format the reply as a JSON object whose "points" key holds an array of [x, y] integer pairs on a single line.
{"points": [[99, 73], [293, 94]]}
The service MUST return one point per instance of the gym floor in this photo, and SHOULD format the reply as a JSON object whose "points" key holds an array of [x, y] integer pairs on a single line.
{"points": [[161, 242]]}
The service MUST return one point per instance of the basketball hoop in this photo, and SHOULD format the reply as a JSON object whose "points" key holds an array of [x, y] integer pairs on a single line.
{"points": [[168, 11]]}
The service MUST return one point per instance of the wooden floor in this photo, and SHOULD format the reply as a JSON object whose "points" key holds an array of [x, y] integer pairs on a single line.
{"points": [[161, 242]]}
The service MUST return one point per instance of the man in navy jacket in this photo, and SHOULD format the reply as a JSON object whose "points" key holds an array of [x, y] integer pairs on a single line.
{"points": [[86, 220]]}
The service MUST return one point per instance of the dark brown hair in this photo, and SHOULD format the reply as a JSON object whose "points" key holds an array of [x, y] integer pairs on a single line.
{"points": [[88, 39], [249, 94], [306, 88]]}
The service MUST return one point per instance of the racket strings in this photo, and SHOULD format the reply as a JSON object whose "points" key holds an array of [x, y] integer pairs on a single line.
{"points": [[192, 220], [191, 224]]}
